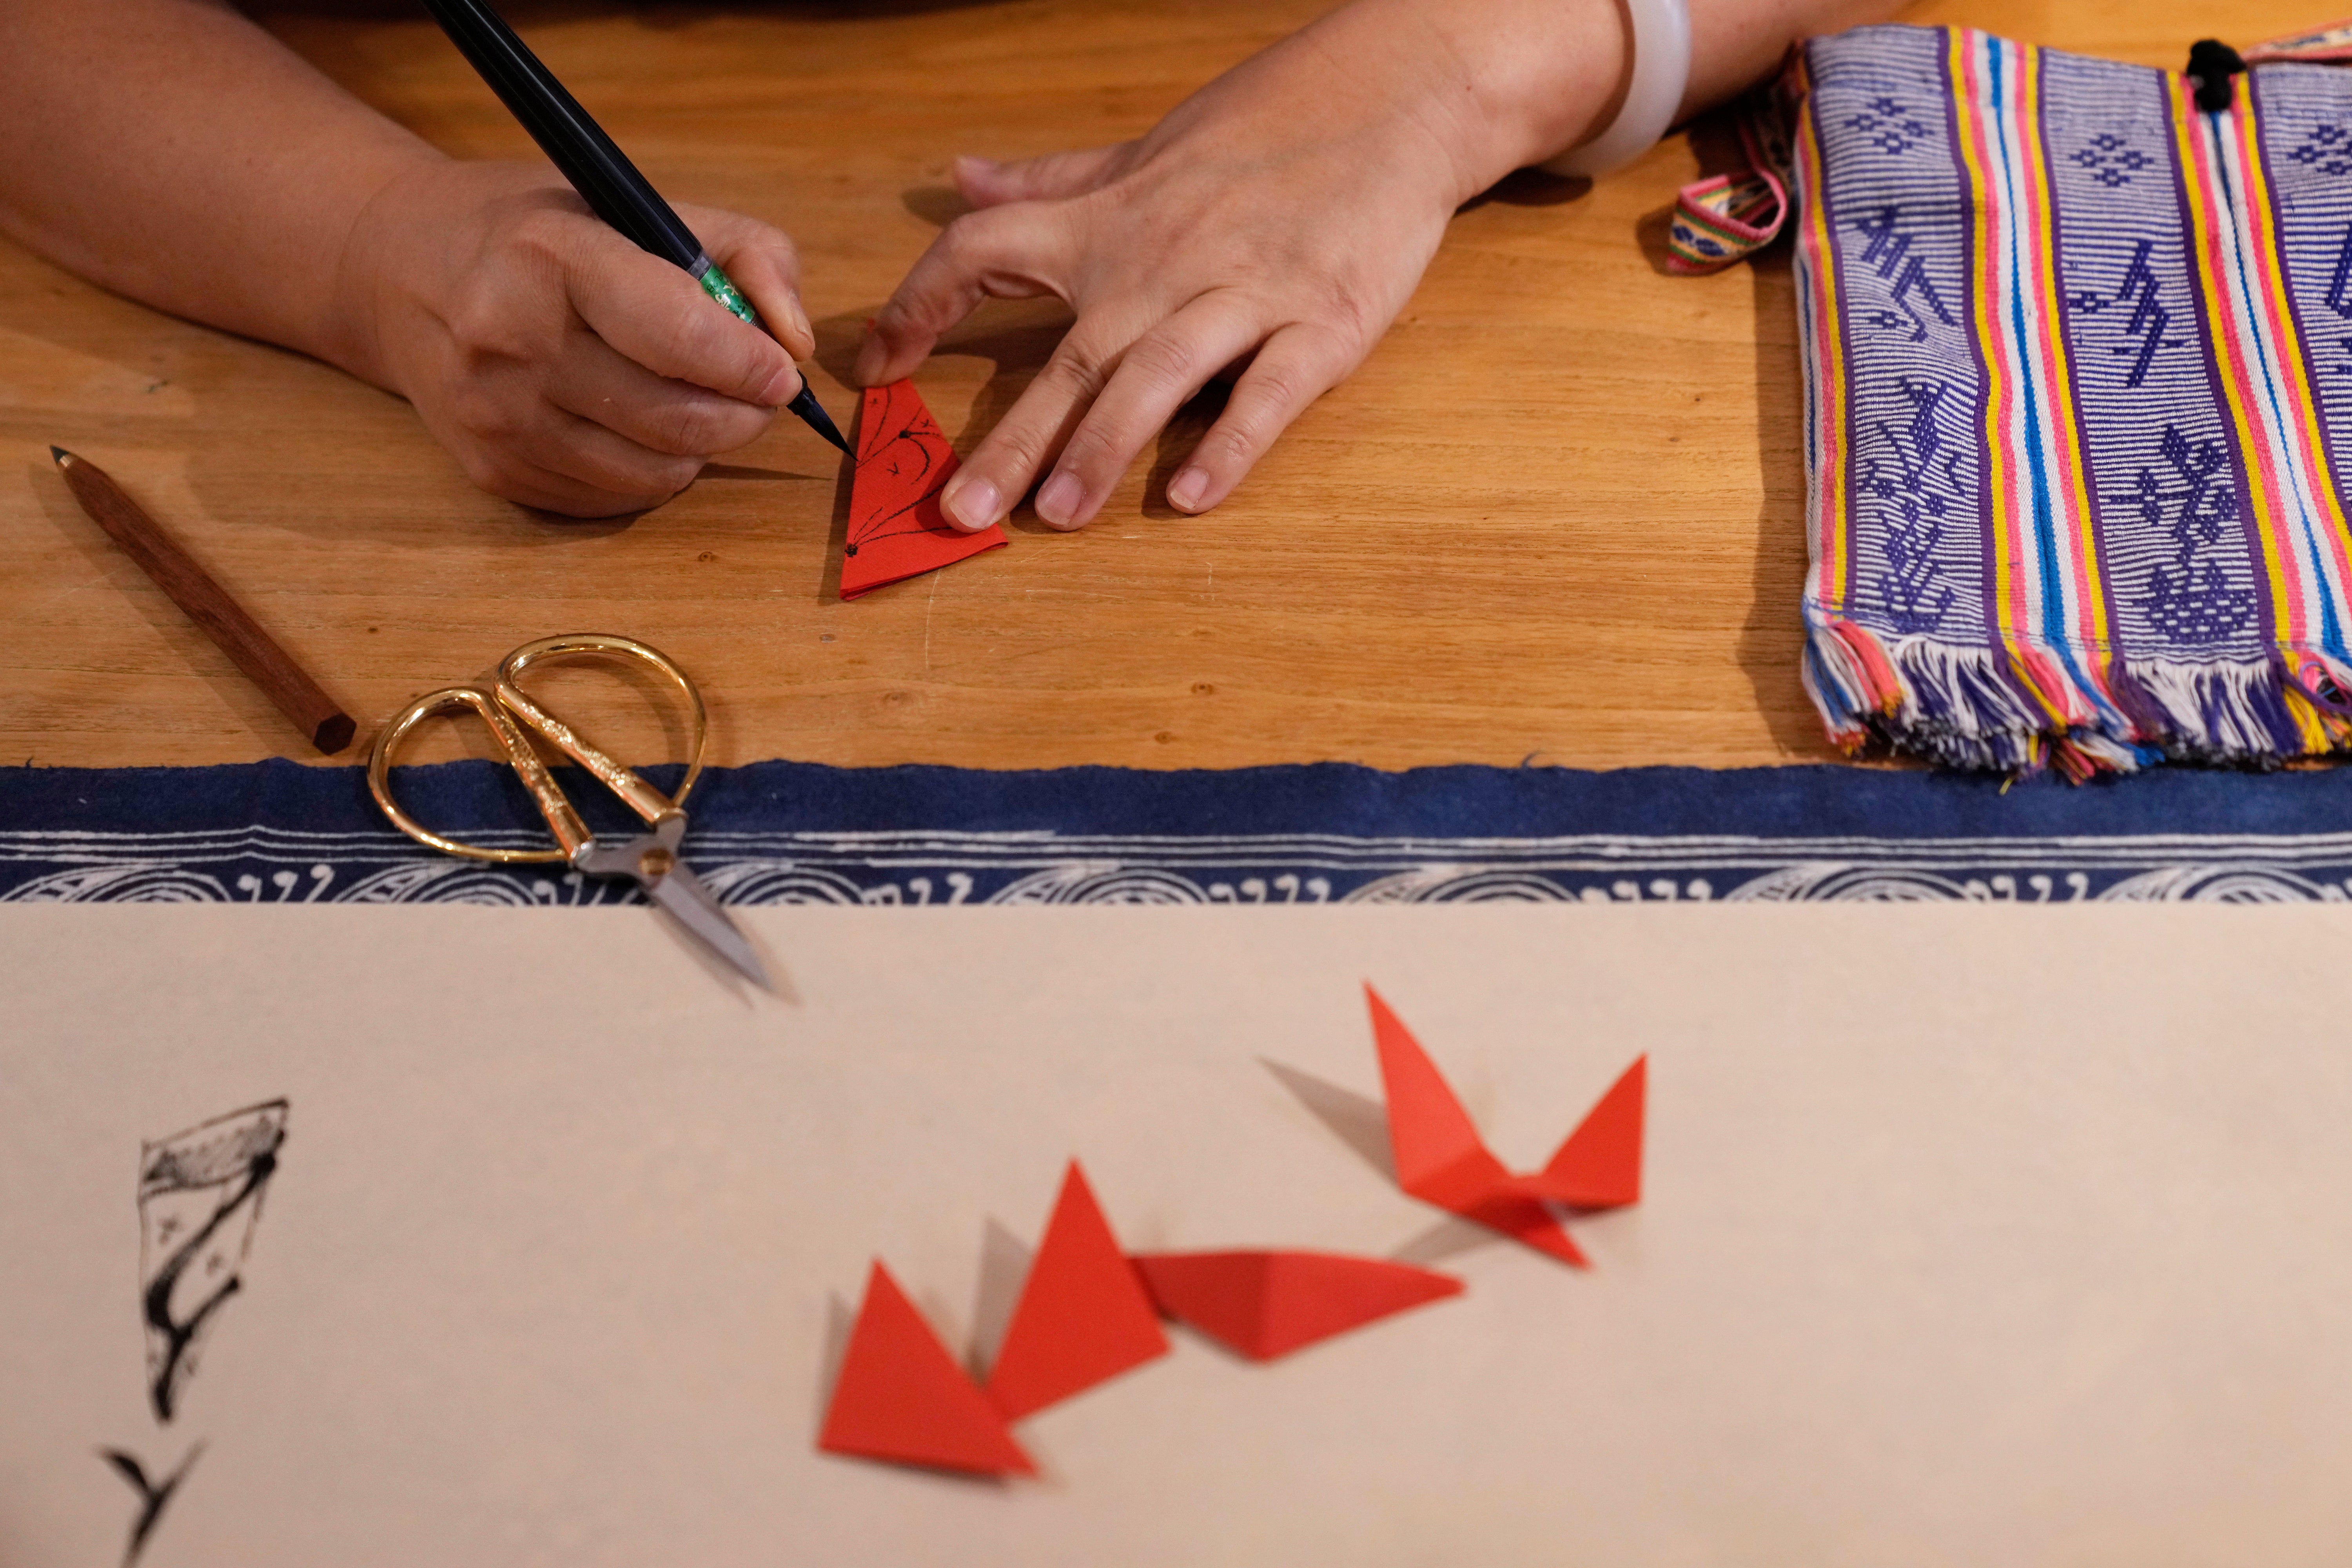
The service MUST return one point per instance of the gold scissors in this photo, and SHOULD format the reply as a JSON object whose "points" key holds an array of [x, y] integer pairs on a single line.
{"points": [[649, 859]]}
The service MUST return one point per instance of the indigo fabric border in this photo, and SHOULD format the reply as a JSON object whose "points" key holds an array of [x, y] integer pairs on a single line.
{"points": [[1326, 832]]}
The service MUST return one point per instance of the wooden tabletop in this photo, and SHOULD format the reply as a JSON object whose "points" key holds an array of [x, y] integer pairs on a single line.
{"points": [[1556, 516]]}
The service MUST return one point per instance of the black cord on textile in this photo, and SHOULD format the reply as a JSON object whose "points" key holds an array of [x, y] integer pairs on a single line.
{"points": [[2211, 64]]}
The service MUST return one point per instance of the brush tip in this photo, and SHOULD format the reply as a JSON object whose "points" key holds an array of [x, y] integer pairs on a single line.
{"points": [[813, 415], [59, 453]]}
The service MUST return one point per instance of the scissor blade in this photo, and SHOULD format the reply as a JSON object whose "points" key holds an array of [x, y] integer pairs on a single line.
{"points": [[681, 892]]}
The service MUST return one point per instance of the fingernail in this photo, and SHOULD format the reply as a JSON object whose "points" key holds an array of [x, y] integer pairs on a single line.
{"points": [[1185, 492], [783, 386], [971, 503], [800, 321], [869, 361], [1059, 501]]}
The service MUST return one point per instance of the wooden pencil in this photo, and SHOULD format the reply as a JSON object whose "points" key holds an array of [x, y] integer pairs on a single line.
{"points": [[206, 602]]}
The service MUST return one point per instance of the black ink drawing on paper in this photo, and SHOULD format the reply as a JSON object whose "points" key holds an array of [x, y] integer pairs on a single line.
{"points": [[895, 470], [200, 1195], [153, 1495], [199, 1200]]}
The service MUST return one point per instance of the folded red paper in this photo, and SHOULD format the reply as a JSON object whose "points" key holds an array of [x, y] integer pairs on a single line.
{"points": [[1266, 1304], [1441, 1159], [1600, 1166], [896, 529], [901, 1397], [1088, 1311], [1083, 1315]]}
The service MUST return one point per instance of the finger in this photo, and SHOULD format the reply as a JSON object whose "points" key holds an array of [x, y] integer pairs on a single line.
{"points": [[674, 417], [985, 183], [1297, 366], [517, 478], [1008, 460], [1013, 252], [609, 462], [765, 267], [653, 314], [1155, 377], [519, 439]]}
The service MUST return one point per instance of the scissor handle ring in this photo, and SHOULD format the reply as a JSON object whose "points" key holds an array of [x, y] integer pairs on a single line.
{"points": [[611, 644], [486, 705], [379, 776]]}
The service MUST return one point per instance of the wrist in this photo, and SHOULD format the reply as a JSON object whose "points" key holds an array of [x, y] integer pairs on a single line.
{"points": [[348, 332], [1517, 81], [1655, 85]]}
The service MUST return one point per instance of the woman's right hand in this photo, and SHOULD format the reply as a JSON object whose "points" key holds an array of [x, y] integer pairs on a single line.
{"points": [[564, 367]]}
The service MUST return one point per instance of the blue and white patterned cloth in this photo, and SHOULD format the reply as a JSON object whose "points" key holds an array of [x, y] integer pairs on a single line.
{"points": [[1328, 833]]}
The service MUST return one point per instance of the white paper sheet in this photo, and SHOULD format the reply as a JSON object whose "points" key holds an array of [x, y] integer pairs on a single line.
{"points": [[1969, 1236]]}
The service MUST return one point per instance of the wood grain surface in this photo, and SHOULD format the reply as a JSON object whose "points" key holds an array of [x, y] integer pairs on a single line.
{"points": [[1555, 517]]}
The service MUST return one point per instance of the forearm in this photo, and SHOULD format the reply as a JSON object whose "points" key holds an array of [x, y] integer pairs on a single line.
{"points": [[175, 153], [1507, 83]]}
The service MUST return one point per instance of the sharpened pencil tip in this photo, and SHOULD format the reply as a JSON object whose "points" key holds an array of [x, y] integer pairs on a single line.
{"points": [[58, 452]]}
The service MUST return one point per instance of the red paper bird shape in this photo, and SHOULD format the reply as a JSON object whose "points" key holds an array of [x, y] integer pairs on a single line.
{"points": [[1441, 1159], [896, 531], [1083, 1315], [1266, 1304], [901, 1397]]}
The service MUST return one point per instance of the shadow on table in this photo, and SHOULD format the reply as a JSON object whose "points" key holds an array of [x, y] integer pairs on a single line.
{"points": [[938, 205], [1529, 188], [1772, 639]]}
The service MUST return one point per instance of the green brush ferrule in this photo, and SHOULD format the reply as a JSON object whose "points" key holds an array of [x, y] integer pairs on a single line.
{"points": [[721, 287]]}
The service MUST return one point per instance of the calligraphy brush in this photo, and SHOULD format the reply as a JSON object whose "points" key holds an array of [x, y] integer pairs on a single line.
{"points": [[597, 169]]}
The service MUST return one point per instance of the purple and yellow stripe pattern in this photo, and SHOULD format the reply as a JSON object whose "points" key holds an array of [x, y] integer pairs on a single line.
{"points": [[2048, 610], [2291, 509], [2072, 481], [1821, 325]]}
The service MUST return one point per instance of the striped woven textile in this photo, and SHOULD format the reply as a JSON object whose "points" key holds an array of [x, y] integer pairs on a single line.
{"points": [[2078, 368]]}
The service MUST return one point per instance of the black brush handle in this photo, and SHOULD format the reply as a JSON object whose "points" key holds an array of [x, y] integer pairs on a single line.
{"points": [[574, 141]]}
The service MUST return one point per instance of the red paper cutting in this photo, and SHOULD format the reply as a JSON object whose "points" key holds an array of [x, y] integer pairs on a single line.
{"points": [[902, 1397], [1441, 1159], [1600, 1166], [1266, 1304], [1083, 1315], [896, 529]]}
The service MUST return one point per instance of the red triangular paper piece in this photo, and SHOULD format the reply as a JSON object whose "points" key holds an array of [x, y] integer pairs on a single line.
{"points": [[1524, 1219], [1600, 1166], [896, 531], [1266, 1304], [902, 1397], [1440, 1157], [1083, 1315]]}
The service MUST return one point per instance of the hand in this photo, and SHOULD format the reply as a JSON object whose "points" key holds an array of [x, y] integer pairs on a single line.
{"points": [[1278, 219], [564, 367]]}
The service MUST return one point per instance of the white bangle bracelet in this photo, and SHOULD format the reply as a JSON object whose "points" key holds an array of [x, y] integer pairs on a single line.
{"points": [[1662, 57]]}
